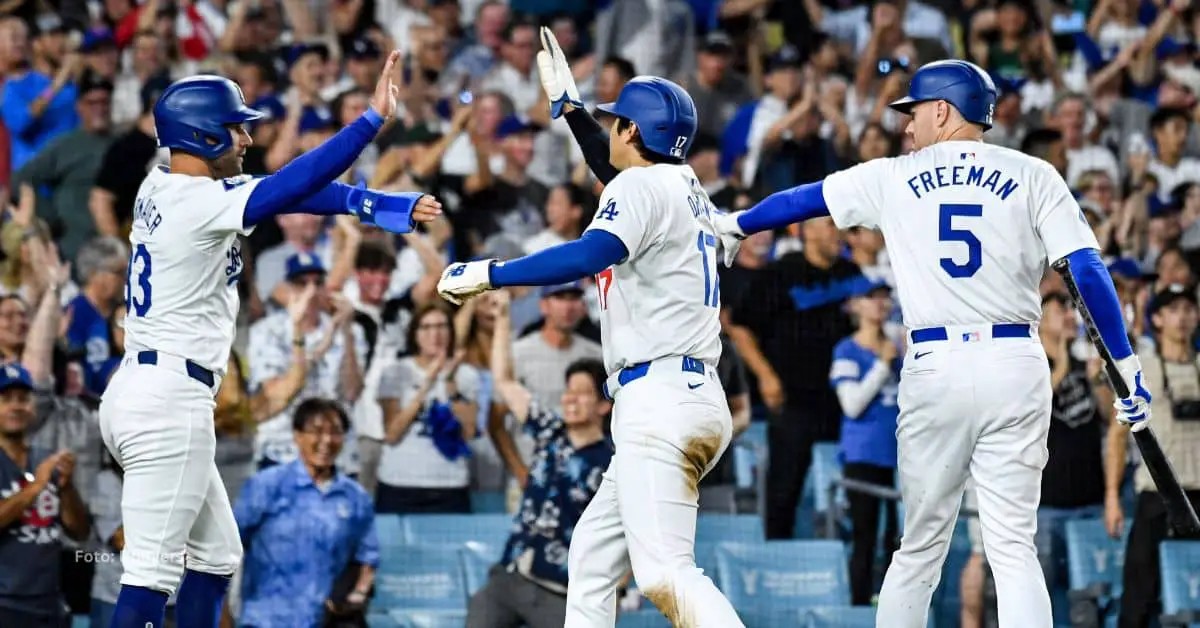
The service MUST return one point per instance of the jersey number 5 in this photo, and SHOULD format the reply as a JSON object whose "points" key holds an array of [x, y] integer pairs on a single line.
{"points": [[139, 273], [947, 233]]}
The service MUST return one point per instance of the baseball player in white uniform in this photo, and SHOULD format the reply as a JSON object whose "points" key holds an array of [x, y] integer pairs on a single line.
{"points": [[156, 416], [652, 249], [969, 228]]}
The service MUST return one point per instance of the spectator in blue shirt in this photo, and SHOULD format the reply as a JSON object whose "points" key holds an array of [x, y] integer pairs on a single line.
{"points": [[529, 585], [303, 525], [102, 264], [39, 105], [865, 376]]}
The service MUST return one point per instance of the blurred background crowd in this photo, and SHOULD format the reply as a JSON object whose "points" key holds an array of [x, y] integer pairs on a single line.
{"points": [[364, 425]]}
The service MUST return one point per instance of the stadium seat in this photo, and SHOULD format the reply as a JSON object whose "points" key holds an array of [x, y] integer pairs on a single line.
{"points": [[477, 559], [421, 578], [777, 576], [713, 528], [1094, 563], [642, 618], [382, 620], [1179, 563], [840, 617], [428, 619], [489, 529], [390, 530], [824, 473], [81, 621], [488, 502]]}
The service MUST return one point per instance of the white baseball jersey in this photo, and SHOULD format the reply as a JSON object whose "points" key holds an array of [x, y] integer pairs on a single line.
{"points": [[662, 300], [969, 228], [184, 266]]}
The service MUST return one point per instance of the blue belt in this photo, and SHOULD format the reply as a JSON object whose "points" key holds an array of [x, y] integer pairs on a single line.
{"points": [[194, 371], [999, 330], [639, 370]]}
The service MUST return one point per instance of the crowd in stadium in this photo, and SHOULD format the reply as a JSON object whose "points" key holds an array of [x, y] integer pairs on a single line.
{"points": [[357, 396]]}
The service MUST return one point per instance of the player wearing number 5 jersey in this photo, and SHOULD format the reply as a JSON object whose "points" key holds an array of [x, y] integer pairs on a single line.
{"points": [[156, 416], [969, 229], [652, 249]]}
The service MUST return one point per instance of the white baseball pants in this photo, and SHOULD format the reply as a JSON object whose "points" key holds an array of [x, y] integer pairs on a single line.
{"points": [[670, 428], [977, 405], [158, 424]]}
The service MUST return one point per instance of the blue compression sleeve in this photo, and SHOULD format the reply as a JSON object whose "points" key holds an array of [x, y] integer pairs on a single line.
{"points": [[784, 208], [309, 173], [1100, 297], [571, 261]]}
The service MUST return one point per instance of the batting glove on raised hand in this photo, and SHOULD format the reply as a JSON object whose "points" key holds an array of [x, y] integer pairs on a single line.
{"points": [[1133, 410], [730, 233], [460, 282], [556, 75]]}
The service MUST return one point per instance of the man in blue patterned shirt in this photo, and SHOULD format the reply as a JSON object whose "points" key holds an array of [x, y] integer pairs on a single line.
{"points": [[302, 523], [529, 585]]}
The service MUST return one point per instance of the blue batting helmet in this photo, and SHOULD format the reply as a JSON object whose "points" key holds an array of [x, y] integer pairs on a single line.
{"points": [[663, 111], [960, 83], [193, 115]]}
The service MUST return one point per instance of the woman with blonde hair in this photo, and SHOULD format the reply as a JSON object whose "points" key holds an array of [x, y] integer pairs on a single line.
{"points": [[25, 249]]}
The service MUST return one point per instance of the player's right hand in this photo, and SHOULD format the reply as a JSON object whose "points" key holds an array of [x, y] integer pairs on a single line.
{"points": [[462, 281], [556, 76], [1133, 410], [383, 101], [730, 233]]}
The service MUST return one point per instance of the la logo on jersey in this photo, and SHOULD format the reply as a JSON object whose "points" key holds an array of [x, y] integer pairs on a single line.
{"points": [[609, 212]]}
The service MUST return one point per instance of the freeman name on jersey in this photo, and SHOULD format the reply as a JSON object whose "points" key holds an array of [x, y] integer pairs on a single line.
{"points": [[946, 176]]}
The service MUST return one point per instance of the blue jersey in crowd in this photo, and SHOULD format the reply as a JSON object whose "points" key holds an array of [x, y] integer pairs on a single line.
{"points": [[562, 480], [871, 437], [30, 134], [89, 332], [298, 538]]}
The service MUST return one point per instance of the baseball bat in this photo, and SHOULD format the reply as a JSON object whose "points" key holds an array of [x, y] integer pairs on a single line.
{"points": [[1180, 513]]}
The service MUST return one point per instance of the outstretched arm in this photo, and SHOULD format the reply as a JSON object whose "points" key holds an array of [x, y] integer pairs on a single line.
{"points": [[569, 261], [784, 208]]}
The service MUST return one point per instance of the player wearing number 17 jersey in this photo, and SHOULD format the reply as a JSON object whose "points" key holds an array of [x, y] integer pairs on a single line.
{"points": [[156, 416], [969, 230], [652, 249]]}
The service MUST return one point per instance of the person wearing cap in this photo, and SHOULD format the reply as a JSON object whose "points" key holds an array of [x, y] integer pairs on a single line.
{"points": [[783, 81], [715, 87], [1074, 478], [336, 353], [39, 105], [865, 375], [509, 204], [539, 360], [302, 233], [1068, 115], [1172, 375], [1009, 126], [38, 504], [99, 50], [119, 177], [67, 166]]}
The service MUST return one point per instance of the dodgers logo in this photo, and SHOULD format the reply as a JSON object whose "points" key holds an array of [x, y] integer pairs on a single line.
{"points": [[233, 268], [609, 212]]}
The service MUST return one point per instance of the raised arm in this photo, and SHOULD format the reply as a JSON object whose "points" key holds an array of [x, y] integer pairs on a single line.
{"points": [[508, 390]]}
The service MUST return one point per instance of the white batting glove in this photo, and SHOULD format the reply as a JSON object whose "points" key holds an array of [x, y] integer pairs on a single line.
{"points": [[1133, 410], [556, 75], [460, 282], [730, 233]]}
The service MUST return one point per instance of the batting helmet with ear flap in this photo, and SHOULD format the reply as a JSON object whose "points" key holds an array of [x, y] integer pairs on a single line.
{"points": [[960, 83], [193, 115], [663, 111]]}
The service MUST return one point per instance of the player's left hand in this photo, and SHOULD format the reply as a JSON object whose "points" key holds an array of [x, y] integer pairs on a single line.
{"points": [[1133, 410], [394, 212], [729, 233], [462, 281], [557, 80]]}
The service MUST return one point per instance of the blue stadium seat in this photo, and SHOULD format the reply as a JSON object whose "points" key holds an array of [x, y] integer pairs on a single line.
{"points": [[421, 578], [776, 576], [841, 617], [749, 453], [488, 502], [824, 472], [714, 528], [390, 530], [1180, 567], [490, 529], [81, 621], [947, 601], [706, 558], [1094, 563], [382, 620], [642, 618], [429, 619], [477, 559]]}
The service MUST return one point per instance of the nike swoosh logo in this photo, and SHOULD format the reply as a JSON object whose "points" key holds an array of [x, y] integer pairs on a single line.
{"points": [[695, 386], [921, 355]]}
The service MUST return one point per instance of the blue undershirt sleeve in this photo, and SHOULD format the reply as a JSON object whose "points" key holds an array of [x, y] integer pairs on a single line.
{"points": [[563, 263], [784, 208], [1100, 298]]}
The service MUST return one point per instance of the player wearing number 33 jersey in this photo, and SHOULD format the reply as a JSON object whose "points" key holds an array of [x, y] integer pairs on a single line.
{"points": [[969, 228]]}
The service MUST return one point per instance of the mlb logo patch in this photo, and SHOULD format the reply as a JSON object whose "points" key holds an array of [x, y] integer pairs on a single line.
{"points": [[971, 336], [966, 155]]}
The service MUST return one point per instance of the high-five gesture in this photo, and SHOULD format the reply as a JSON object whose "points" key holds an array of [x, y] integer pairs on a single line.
{"points": [[556, 76], [386, 91]]}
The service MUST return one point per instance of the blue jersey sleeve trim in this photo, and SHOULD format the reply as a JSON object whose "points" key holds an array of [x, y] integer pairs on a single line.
{"points": [[1100, 298], [571, 261], [784, 208]]}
